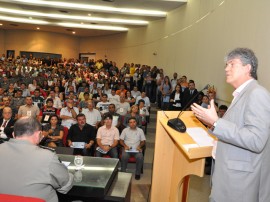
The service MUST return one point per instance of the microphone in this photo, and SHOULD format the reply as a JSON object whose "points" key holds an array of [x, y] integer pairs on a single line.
{"points": [[177, 123]]}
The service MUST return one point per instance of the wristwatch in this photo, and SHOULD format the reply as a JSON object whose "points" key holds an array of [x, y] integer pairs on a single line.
{"points": [[213, 126]]}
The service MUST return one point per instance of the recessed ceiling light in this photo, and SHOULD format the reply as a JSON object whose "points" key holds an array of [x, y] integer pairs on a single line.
{"points": [[1, 24], [90, 7], [73, 17], [38, 28], [100, 27], [73, 32], [23, 20]]}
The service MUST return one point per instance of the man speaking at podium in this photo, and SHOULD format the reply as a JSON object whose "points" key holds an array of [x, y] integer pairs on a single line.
{"points": [[242, 165]]}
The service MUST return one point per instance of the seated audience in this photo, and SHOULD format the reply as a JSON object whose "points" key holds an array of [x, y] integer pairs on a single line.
{"points": [[82, 132], [6, 123], [53, 133], [33, 171], [38, 100], [134, 112], [135, 93], [145, 98], [123, 107], [68, 114], [84, 103], [113, 98], [93, 116], [131, 100], [222, 110], [132, 138], [28, 109], [103, 105], [107, 139], [47, 111], [143, 112], [116, 118]]}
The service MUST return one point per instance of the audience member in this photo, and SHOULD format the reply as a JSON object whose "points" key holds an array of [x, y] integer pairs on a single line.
{"points": [[68, 114], [28, 109], [93, 116], [82, 132], [107, 138], [133, 141], [6, 123], [53, 133]]}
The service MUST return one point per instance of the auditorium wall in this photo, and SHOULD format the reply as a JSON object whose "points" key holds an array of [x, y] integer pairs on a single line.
{"points": [[38, 41]]}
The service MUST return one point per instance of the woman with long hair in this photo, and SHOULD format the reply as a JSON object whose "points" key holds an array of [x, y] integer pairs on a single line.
{"points": [[53, 132]]}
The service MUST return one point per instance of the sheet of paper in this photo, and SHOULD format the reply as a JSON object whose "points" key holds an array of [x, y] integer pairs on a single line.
{"points": [[78, 145], [132, 150], [66, 163], [189, 146], [200, 136]]}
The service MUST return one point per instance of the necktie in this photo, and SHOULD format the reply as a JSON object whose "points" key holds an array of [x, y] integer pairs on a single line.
{"points": [[4, 124]]}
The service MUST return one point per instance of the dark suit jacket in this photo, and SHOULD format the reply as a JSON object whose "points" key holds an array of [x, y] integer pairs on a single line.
{"points": [[9, 127], [187, 97]]}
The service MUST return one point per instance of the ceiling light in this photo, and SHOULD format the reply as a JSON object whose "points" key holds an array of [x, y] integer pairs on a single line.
{"points": [[1, 24], [89, 7], [23, 20], [100, 27], [38, 28], [71, 17], [73, 32]]}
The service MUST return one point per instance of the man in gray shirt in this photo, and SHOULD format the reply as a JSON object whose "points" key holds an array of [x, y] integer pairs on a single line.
{"points": [[28, 170], [133, 140]]}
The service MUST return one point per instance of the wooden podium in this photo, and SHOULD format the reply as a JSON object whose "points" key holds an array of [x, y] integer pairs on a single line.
{"points": [[173, 163]]}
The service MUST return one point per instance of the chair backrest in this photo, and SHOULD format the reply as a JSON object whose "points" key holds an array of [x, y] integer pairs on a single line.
{"points": [[15, 198], [65, 136]]}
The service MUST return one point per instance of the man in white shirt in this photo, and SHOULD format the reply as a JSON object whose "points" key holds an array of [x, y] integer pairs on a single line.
{"points": [[56, 100], [113, 98], [68, 114], [93, 116], [135, 93], [103, 105], [145, 98]]}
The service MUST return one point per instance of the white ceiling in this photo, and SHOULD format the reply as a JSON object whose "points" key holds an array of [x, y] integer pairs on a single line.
{"points": [[53, 13]]}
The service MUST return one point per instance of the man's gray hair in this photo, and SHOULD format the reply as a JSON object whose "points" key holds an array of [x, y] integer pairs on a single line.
{"points": [[246, 56], [26, 126]]}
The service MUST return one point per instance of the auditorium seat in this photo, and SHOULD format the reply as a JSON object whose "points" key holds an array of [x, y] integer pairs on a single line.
{"points": [[15, 198]]}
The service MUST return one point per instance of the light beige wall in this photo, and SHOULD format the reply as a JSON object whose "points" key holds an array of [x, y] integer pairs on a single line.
{"points": [[193, 40], [38, 41], [2, 42]]}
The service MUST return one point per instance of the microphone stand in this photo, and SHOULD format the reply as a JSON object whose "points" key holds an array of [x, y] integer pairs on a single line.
{"points": [[176, 123]]}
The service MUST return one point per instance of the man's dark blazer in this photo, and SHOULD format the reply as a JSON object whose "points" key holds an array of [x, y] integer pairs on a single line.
{"points": [[9, 127], [186, 97]]}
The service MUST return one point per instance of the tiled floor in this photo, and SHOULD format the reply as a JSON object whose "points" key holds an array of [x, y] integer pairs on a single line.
{"points": [[199, 187]]}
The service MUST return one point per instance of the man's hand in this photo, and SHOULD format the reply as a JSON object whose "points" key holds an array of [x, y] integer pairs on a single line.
{"points": [[208, 116], [139, 149], [126, 147], [88, 146]]}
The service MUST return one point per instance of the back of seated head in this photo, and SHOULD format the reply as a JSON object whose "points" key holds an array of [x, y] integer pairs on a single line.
{"points": [[26, 126], [223, 107]]}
